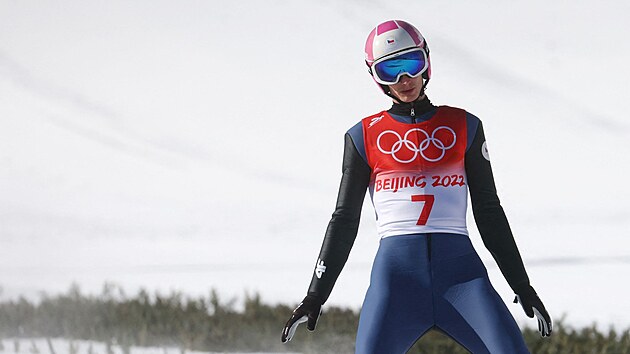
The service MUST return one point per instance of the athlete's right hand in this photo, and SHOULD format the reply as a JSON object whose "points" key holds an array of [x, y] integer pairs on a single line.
{"points": [[307, 311]]}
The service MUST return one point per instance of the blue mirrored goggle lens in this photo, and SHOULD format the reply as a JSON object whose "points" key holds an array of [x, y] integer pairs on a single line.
{"points": [[411, 63]]}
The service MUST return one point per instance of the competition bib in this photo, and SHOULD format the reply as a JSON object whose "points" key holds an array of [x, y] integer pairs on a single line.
{"points": [[418, 182]]}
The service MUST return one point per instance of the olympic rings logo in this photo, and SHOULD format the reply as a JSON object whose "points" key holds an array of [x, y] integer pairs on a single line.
{"points": [[420, 148]]}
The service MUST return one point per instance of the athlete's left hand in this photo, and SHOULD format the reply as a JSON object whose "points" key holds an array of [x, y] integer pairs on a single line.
{"points": [[532, 305]]}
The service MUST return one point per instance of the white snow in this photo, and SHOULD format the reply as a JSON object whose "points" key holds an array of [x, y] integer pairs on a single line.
{"points": [[68, 346], [190, 145]]}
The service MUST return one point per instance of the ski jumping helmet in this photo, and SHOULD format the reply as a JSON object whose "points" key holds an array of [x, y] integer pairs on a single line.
{"points": [[391, 39]]}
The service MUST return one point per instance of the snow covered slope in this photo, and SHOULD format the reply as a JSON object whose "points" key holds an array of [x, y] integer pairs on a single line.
{"points": [[189, 145], [65, 346]]}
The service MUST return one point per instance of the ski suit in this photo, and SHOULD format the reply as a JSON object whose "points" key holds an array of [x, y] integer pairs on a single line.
{"points": [[419, 161]]}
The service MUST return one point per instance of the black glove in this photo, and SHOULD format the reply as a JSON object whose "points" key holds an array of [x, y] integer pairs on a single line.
{"points": [[533, 306], [308, 310]]}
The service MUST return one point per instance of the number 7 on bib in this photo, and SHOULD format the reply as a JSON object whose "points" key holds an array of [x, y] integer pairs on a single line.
{"points": [[428, 200]]}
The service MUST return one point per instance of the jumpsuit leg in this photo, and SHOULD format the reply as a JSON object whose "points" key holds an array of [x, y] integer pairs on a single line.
{"points": [[412, 291], [467, 307], [398, 305]]}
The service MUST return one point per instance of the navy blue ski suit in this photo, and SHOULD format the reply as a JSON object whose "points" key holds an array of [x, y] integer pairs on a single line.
{"points": [[423, 281]]}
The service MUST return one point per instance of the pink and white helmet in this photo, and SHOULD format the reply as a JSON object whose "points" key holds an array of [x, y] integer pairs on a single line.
{"points": [[391, 37]]}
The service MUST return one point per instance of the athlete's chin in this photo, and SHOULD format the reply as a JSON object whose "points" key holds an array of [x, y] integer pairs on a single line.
{"points": [[409, 95]]}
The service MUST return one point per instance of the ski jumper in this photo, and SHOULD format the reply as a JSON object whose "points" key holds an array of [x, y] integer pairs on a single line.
{"points": [[419, 161]]}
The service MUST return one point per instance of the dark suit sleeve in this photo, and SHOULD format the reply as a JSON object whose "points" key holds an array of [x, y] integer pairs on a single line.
{"points": [[344, 224], [489, 215]]}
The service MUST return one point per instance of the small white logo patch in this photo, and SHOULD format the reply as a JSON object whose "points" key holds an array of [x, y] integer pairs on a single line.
{"points": [[374, 121], [484, 151], [320, 269]]}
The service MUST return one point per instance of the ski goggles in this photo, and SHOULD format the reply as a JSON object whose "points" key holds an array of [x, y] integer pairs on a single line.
{"points": [[388, 70]]}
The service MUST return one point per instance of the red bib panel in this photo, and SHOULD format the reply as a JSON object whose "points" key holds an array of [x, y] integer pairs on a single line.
{"points": [[418, 182]]}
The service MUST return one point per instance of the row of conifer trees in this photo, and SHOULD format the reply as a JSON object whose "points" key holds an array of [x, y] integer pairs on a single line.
{"points": [[212, 324]]}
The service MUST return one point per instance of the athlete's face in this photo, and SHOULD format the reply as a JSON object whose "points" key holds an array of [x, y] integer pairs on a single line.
{"points": [[408, 88]]}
